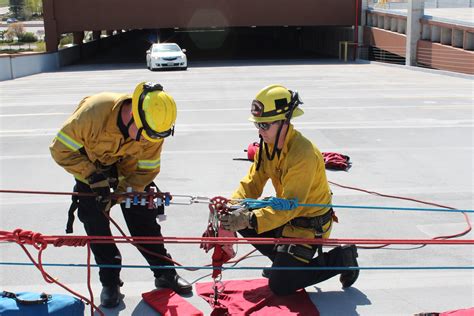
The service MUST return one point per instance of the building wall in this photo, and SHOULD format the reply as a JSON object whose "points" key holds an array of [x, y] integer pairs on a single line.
{"points": [[386, 40], [16, 66], [444, 57], [63, 16]]}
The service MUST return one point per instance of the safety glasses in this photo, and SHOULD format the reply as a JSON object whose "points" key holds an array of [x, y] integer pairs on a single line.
{"points": [[264, 126]]}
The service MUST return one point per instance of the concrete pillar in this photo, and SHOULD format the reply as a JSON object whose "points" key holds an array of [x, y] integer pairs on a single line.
{"points": [[415, 12], [446, 36], [96, 35], [393, 24], [435, 34], [50, 29], [77, 38], [457, 40], [364, 5], [426, 32], [468, 41]]}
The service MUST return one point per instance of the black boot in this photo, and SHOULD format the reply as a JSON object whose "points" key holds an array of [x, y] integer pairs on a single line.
{"points": [[110, 296], [174, 282], [349, 277], [266, 273]]}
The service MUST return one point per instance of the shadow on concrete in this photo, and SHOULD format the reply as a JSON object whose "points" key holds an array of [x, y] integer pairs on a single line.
{"points": [[342, 302], [207, 63]]}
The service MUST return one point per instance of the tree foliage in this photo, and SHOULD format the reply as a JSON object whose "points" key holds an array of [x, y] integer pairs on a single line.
{"points": [[15, 30], [27, 37], [16, 8], [25, 9]]}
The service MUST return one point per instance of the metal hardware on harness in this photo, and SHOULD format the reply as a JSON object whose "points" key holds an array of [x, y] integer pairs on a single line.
{"points": [[190, 199], [218, 288], [297, 251], [152, 198]]}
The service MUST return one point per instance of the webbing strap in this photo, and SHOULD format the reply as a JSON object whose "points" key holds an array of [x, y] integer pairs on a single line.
{"points": [[43, 298]]}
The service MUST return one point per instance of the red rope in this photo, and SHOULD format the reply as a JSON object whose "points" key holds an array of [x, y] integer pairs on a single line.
{"points": [[40, 242], [9, 237], [466, 217]]}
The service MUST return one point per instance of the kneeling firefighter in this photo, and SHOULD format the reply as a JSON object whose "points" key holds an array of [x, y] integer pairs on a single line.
{"points": [[296, 168], [114, 141]]}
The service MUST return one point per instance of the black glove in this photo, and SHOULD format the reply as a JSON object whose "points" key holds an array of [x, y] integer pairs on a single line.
{"points": [[100, 185]]}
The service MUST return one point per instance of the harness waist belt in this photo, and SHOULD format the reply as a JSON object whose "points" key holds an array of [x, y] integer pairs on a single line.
{"points": [[299, 251], [316, 222]]}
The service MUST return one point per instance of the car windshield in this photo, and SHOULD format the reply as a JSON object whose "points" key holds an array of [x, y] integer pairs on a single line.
{"points": [[166, 48]]}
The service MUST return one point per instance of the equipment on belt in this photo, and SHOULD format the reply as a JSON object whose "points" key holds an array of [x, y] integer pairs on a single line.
{"points": [[301, 252], [153, 198]]}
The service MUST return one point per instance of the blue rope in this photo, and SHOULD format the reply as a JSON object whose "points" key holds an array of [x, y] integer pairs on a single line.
{"points": [[239, 268], [277, 204], [280, 204]]}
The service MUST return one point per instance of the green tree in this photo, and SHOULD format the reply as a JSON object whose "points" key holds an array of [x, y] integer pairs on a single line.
{"points": [[17, 8], [27, 37], [2, 34], [35, 7]]}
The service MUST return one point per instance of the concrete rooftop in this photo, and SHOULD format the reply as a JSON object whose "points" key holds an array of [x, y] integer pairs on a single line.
{"points": [[408, 132]]}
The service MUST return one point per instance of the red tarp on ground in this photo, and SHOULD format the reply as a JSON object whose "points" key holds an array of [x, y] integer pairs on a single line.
{"points": [[253, 297], [168, 303], [459, 312]]}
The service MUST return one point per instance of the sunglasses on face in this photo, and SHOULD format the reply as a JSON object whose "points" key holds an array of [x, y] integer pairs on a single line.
{"points": [[264, 126]]}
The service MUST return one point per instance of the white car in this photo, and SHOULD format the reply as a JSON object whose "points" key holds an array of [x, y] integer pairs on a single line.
{"points": [[166, 55]]}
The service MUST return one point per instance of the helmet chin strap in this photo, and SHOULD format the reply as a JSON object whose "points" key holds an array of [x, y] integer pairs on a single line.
{"points": [[139, 132], [294, 102], [264, 145]]}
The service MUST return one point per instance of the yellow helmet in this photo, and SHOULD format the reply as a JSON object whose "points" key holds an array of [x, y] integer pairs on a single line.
{"points": [[275, 103], [154, 111]]}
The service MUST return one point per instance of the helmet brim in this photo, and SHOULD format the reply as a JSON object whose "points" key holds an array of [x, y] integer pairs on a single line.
{"points": [[259, 119]]}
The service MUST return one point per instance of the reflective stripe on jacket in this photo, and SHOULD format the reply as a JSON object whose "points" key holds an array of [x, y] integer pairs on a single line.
{"points": [[92, 129], [299, 173]]}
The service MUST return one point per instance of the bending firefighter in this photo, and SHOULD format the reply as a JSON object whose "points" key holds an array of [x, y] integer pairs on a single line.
{"points": [[296, 168], [114, 141]]}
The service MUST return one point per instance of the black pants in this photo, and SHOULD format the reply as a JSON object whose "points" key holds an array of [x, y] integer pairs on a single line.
{"points": [[140, 222], [285, 282]]}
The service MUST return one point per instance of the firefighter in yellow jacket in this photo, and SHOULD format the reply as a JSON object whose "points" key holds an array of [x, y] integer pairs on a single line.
{"points": [[296, 169], [114, 141]]}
